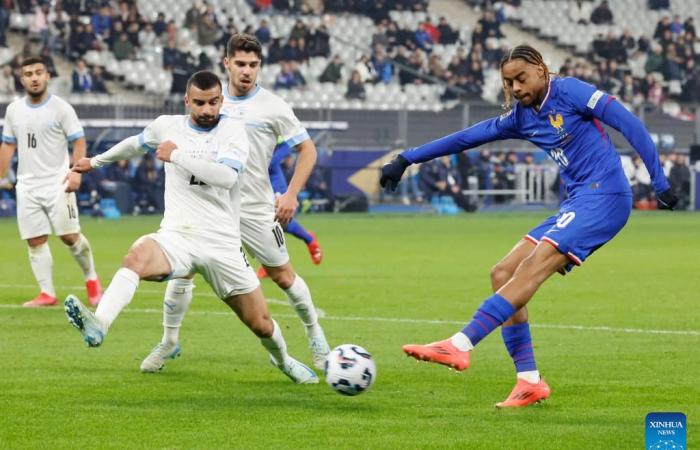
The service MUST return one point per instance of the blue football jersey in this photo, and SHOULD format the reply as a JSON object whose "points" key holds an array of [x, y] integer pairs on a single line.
{"points": [[568, 127]]}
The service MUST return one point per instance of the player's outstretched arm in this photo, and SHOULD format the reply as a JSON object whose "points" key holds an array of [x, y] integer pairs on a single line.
{"points": [[286, 204], [7, 150], [503, 127], [618, 117], [126, 149], [221, 173]]}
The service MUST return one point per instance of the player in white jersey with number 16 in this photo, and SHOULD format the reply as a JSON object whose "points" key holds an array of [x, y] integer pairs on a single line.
{"points": [[41, 125], [267, 117], [205, 153]]}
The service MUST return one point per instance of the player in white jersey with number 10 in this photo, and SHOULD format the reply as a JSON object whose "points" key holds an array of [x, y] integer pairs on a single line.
{"points": [[40, 125], [267, 117], [204, 154]]}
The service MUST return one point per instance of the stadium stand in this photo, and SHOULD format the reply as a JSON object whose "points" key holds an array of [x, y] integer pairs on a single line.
{"points": [[399, 72]]}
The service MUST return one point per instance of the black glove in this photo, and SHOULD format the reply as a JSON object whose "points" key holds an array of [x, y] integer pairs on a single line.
{"points": [[392, 172], [667, 199]]}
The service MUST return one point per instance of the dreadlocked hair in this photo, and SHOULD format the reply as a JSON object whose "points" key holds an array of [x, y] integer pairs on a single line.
{"points": [[528, 54]]}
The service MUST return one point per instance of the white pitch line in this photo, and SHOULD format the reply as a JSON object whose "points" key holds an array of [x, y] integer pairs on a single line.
{"points": [[416, 321], [321, 313]]}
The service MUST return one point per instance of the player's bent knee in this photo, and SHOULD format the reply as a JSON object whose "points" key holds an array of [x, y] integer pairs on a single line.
{"points": [[37, 241], [69, 239], [261, 326], [499, 276], [282, 276]]}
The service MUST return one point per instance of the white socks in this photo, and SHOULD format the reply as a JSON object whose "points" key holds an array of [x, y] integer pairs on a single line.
{"points": [[275, 345], [42, 262], [118, 294], [178, 296], [299, 297], [531, 376], [462, 342], [82, 253]]}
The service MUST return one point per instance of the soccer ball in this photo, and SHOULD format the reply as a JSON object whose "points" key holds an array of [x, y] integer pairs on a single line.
{"points": [[350, 369]]}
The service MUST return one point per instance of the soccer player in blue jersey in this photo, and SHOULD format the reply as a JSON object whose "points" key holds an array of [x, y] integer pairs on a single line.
{"points": [[563, 117], [279, 187]]}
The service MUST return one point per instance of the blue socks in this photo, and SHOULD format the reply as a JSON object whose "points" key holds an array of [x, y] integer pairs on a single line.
{"points": [[294, 228], [490, 315], [519, 344]]}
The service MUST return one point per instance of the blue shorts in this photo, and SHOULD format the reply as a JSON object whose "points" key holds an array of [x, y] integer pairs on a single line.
{"points": [[583, 225]]}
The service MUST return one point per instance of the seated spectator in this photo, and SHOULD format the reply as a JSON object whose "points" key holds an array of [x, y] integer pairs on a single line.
{"points": [[289, 77], [7, 81], [98, 80], [365, 69], [423, 39], [45, 55], [82, 80], [440, 177], [148, 37], [333, 71], [661, 27], [123, 48], [102, 20], [299, 30], [274, 51], [382, 67], [263, 32], [679, 177], [356, 87], [193, 14], [290, 52], [149, 183], [689, 27], [451, 91], [318, 42], [207, 30], [39, 25], [159, 25], [602, 14], [448, 35], [4, 24], [655, 59], [676, 26]]}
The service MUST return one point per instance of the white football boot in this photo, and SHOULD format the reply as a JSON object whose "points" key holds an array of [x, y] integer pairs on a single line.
{"points": [[297, 371], [155, 361], [84, 320]]}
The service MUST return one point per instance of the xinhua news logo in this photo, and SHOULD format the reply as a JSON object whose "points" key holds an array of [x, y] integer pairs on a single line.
{"points": [[665, 431]]}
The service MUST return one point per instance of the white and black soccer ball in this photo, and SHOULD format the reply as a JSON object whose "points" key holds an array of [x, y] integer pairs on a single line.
{"points": [[350, 369]]}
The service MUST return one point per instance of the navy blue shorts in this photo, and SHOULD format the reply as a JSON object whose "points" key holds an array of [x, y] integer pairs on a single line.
{"points": [[584, 224]]}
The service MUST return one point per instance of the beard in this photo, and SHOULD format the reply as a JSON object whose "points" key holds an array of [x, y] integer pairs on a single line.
{"points": [[206, 121], [37, 93]]}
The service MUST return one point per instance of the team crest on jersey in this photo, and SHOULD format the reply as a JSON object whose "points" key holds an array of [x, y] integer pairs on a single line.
{"points": [[557, 121]]}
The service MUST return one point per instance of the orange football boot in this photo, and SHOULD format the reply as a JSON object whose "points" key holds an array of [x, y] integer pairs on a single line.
{"points": [[261, 273], [441, 352], [94, 291], [525, 394], [315, 250], [43, 299]]}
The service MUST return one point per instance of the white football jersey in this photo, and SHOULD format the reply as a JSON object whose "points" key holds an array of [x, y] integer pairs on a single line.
{"points": [[42, 133], [267, 117], [190, 205]]}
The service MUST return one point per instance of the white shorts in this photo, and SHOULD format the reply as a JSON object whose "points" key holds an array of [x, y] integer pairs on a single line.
{"points": [[41, 209], [221, 262], [264, 240]]}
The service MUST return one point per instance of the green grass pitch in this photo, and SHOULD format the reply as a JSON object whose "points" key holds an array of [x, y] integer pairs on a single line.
{"points": [[615, 339]]}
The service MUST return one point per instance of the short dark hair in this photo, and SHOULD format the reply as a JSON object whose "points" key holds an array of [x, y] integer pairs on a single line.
{"points": [[32, 60], [204, 79], [243, 42]]}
